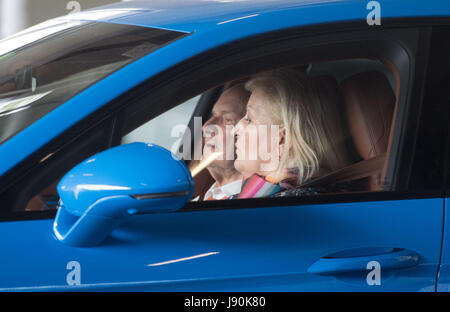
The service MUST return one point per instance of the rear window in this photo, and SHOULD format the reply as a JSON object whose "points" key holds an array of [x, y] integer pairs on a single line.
{"points": [[46, 65]]}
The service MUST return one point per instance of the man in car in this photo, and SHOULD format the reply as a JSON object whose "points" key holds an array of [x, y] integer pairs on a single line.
{"points": [[228, 110]]}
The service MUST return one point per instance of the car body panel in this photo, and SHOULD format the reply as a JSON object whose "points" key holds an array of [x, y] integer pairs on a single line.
{"points": [[266, 249]]}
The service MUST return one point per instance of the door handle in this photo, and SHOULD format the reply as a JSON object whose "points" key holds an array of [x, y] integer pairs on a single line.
{"points": [[396, 259]]}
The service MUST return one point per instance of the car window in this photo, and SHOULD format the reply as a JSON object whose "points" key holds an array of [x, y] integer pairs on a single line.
{"points": [[157, 131], [166, 129], [36, 188], [48, 64], [431, 150]]}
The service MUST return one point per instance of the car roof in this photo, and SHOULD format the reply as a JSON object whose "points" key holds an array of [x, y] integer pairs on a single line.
{"points": [[202, 15]]}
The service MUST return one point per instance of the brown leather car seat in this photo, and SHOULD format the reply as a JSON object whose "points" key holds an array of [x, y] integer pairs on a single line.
{"points": [[369, 103]]}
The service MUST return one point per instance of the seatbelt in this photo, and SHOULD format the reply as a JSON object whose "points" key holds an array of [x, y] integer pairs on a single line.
{"points": [[361, 169]]}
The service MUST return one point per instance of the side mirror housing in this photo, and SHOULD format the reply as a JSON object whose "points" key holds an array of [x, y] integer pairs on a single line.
{"points": [[105, 190]]}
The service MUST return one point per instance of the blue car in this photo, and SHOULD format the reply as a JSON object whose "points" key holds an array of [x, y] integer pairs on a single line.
{"points": [[96, 193]]}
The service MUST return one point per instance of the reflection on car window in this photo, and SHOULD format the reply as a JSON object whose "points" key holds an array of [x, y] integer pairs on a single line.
{"points": [[46, 65]]}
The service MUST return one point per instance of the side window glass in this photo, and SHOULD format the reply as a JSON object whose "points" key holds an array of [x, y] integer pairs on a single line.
{"points": [[162, 130], [324, 128], [42, 181]]}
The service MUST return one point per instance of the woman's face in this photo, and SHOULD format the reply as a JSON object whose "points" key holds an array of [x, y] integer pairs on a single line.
{"points": [[258, 139]]}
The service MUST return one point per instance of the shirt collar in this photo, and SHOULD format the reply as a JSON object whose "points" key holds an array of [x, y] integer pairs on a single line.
{"points": [[224, 191]]}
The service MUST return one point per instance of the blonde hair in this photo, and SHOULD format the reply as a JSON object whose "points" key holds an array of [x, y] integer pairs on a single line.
{"points": [[307, 109]]}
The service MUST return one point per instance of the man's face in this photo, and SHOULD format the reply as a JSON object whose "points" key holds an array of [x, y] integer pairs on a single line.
{"points": [[227, 111]]}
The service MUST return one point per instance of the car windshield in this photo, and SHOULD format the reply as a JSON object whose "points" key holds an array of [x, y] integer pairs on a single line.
{"points": [[46, 65]]}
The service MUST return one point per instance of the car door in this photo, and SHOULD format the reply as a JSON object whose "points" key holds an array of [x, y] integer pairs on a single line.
{"points": [[386, 240]]}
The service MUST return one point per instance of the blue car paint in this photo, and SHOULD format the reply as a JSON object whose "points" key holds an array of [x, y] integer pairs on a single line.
{"points": [[98, 195], [203, 16], [247, 249], [208, 34], [266, 249]]}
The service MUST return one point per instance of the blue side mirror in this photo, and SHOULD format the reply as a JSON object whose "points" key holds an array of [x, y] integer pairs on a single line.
{"points": [[107, 189]]}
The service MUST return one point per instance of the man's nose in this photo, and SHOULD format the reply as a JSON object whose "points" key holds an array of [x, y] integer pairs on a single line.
{"points": [[207, 130], [236, 129]]}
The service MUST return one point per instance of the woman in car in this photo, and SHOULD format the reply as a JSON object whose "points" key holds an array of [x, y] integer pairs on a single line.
{"points": [[291, 134]]}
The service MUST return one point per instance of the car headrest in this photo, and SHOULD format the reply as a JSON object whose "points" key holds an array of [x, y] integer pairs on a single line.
{"points": [[369, 104]]}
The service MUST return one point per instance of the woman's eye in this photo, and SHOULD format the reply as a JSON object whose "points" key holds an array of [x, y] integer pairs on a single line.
{"points": [[248, 120]]}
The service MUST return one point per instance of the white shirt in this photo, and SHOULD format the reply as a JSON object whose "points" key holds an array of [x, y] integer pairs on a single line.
{"points": [[224, 191]]}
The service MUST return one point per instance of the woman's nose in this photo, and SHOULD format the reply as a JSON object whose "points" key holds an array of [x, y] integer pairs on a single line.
{"points": [[236, 129]]}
